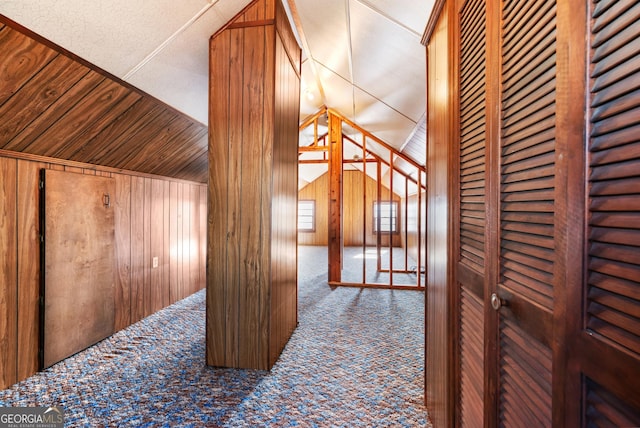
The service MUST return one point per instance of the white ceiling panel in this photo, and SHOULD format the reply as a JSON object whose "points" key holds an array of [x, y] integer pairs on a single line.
{"points": [[382, 121], [179, 73], [112, 34], [410, 13], [385, 54], [326, 30], [339, 92]]}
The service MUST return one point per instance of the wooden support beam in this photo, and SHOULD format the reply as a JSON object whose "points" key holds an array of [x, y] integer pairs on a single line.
{"points": [[335, 198]]}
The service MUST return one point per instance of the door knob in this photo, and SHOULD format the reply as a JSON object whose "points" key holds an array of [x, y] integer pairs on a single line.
{"points": [[497, 302]]}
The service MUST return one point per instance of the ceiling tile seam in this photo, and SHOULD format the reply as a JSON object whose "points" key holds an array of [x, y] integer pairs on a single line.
{"points": [[350, 58], [291, 6], [168, 41], [387, 17], [365, 91]]}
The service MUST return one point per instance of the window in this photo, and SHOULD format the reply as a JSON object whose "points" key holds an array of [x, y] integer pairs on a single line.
{"points": [[307, 216], [388, 216]]}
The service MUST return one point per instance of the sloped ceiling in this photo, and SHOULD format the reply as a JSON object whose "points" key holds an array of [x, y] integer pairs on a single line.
{"points": [[362, 58]]}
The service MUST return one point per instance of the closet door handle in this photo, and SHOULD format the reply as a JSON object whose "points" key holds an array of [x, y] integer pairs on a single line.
{"points": [[497, 302]]}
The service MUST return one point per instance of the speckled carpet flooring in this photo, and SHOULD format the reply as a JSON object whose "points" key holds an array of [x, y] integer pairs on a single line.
{"points": [[355, 360]]}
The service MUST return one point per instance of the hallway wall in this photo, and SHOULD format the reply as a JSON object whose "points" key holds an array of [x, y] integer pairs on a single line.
{"points": [[353, 217], [154, 216]]}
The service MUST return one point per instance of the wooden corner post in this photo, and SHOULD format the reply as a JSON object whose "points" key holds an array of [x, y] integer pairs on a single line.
{"points": [[335, 198]]}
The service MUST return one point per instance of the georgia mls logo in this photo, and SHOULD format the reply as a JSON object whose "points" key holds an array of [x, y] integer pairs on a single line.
{"points": [[55, 415], [31, 417]]}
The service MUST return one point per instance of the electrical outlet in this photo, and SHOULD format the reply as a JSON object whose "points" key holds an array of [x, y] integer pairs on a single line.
{"points": [[155, 262]]}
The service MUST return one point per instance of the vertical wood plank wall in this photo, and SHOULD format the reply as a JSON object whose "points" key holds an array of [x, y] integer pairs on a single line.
{"points": [[438, 328], [150, 220], [352, 206], [252, 227], [410, 243]]}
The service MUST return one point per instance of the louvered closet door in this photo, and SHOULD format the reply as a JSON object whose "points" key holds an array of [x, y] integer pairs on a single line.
{"points": [[609, 345], [471, 227], [526, 218]]}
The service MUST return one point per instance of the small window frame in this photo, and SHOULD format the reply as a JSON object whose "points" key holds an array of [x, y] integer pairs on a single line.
{"points": [[384, 214], [310, 205]]}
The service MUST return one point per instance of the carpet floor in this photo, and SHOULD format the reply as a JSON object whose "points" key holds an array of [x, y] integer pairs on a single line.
{"points": [[355, 360]]}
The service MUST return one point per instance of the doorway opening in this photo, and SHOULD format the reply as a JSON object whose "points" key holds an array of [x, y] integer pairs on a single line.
{"points": [[365, 201]]}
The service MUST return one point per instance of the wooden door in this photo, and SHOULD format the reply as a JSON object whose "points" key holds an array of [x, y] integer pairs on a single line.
{"points": [[523, 244], [605, 334], [470, 228], [78, 256]]}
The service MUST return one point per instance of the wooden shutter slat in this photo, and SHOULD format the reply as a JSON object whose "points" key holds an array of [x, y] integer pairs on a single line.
{"points": [[528, 217], [612, 170], [472, 132], [615, 187], [615, 220], [615, 75], [616, 99], [525, 391], [528, 271], [630, 324], [616, 203], [531, 86], [471, 357], [611, 331], [606, 409], [624, 14], [534, 48], [524, 109], [532, 251], [622, 304], [535, 22], [630, 272], [614, 285], [527, 259], [527, 151], [538, 168], [622, 236]]}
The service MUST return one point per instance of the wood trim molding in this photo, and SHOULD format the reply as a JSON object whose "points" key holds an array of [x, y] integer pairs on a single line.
{"points": [[433, 19], [37, 158]]}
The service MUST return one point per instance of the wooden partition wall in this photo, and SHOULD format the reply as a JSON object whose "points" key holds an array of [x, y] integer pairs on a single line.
{"points": [[354, 221], [253, 170], [533, 161], [154, 217]]}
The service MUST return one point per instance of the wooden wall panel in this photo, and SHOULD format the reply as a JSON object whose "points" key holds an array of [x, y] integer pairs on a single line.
{"points": [[20, 273], [281, 240], [64, 107], [194, 237], [123, 251], [137, 249], [411, 227], [318, 190], [217, 226], [249, 254], [353, 209], [28, 266], [156, 283], [438, 394], [173, 242], [8, 273]]}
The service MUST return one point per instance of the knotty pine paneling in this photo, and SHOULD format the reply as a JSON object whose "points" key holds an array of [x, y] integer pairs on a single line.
{"points": [[57, 105], [353, 211], [140, 289]]}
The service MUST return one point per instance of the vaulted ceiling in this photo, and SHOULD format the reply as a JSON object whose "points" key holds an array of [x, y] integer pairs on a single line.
{"points": [[362, 58]]}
